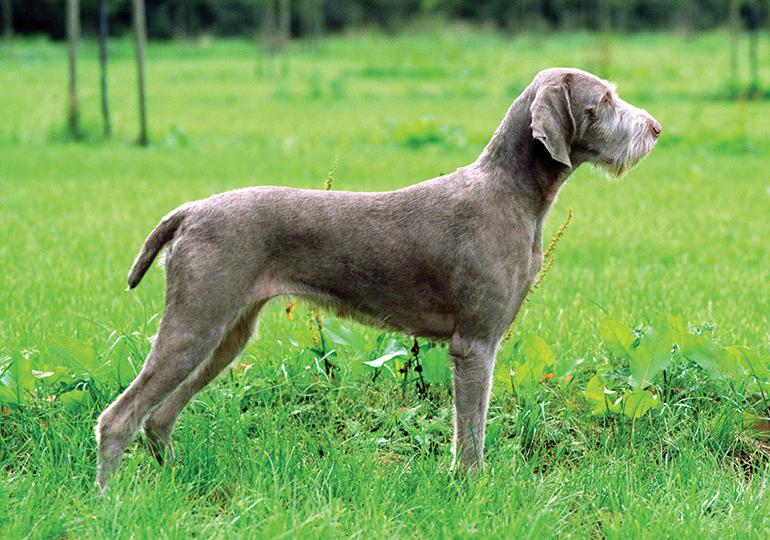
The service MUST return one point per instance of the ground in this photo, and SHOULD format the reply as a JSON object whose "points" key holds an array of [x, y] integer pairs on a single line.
{"points": [[275, 447]]}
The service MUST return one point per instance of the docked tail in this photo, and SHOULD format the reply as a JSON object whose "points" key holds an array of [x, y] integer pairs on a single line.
{"points": [[161, 235]]}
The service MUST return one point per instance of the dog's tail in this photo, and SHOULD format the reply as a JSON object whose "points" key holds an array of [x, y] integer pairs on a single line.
{"points": [[159, 237]]}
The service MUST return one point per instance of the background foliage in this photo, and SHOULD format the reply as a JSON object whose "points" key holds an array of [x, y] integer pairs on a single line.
{"points": [[175, 18]]}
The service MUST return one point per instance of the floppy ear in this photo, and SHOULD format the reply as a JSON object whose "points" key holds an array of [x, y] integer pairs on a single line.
{"points": [[552, 121]]}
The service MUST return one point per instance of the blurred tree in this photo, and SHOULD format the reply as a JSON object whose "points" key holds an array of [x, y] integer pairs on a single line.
{"points": [[181, 15], [104, 14], [735, 35], [185, 18], [311, 16], [605, 44], [140, 37], [73, 35], [7, 9], [284, 22], [276, 32], [270, 26], [751, 16]]}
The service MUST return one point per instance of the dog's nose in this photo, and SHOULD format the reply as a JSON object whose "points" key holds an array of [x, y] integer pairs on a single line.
{"points": [[654, 127]]}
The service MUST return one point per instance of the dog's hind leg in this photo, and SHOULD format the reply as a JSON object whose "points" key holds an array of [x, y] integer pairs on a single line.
{"points": [[160, 423], [199, 314], [180, 347]]}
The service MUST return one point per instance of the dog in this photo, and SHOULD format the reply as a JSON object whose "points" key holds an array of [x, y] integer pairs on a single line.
{"points": [[450, 258]]}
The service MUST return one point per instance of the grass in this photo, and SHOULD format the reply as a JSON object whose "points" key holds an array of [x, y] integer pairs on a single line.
{"points": [[274, 448]]}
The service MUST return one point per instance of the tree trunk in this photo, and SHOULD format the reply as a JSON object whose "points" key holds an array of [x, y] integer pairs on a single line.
{"points": [[140, 38], [284, 22], [7, 8], [180, 28], [73, 34], [319, 19], [605, 45], [735, 34], [104, 11], [312, 18], [269, 26], [753, 23]]}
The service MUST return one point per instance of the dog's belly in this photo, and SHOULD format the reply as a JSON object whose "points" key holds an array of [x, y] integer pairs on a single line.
{"points": [[420, 318], [426, 324]]}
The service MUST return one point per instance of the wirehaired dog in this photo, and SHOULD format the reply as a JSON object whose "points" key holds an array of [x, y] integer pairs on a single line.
{"points": [[450, 258]]}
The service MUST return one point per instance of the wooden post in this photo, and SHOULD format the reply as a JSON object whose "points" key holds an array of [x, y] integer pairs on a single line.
{"points": [[140, 39], [104, 12], [73, 35]]}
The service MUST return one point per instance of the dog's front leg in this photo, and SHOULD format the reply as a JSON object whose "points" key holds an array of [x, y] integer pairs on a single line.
{"points": [[474, 362]]}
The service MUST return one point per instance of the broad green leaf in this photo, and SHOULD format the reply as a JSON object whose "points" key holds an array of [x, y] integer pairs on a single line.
{"points": [[750, 362], [79, 357], [7, 395], [379, 362], [617, 337], [74, 398], [565, 365], [343, 335], [601, 398], [637, 402], [729, 361], [706, 353], [677, 329], [502, 377], [537, 356], [18, 380], [526, 377], [533, 347], [652, 356]]}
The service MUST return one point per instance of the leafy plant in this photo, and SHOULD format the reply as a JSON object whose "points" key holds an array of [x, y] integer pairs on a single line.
{"points": [[650, 352]]}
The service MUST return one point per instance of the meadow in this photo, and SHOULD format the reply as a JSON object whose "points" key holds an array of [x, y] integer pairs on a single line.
{"points": [[284, 446]]}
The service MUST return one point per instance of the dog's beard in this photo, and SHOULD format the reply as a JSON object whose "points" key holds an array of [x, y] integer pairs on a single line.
{"points": [[638, 145]]}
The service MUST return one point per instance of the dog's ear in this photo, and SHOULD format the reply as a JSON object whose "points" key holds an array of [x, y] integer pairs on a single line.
{"points": [[552, 121]]}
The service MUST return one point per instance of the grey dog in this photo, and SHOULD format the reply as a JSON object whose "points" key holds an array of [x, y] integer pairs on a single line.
{"points": [[450, 258]]}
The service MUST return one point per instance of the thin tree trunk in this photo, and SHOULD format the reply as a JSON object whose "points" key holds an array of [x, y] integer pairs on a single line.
{"points": [[180, 20], [735, 34], [104, 11], [753, 46], [7, 8], [73, 34], [319, 18], [269, 26], [605, 47], [284, 22], [284, 31], [140, 37], [311, 16]]}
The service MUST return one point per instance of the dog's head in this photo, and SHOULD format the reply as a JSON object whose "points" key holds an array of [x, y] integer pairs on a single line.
{"points": [[579, 117]]}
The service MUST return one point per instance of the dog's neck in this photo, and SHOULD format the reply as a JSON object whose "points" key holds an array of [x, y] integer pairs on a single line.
{"points": [[514, 157]]}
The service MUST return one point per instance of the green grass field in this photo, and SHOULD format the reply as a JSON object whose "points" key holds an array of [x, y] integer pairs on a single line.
{"points": [[275, 448]]}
